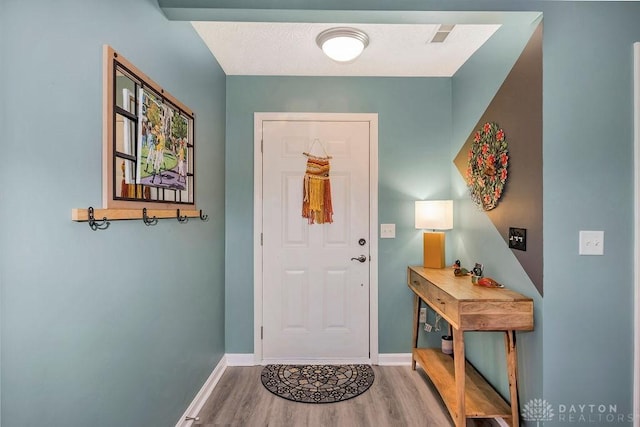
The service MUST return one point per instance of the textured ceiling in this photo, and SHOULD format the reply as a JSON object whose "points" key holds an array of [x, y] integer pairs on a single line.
{"points": [[289, 49]]}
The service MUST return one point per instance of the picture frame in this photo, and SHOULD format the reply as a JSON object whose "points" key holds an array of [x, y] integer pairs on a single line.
{"points": [[137, 113]]}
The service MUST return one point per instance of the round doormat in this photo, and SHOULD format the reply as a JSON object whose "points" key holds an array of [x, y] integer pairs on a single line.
{"points": [[317, 383]]}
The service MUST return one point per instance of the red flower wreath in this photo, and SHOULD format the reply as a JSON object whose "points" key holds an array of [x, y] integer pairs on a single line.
{"points": [[487, 166]]}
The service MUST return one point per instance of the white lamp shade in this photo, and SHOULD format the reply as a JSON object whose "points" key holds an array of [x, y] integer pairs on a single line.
{"points": [[434, 214]]}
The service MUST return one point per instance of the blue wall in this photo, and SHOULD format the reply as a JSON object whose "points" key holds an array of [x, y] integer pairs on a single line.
{"points": [[414, 162], [588, 172], [110, 328]]}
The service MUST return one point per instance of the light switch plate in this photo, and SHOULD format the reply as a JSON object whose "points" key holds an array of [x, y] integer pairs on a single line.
{"points": [[387, 231], [591, 242], [518, 238]]}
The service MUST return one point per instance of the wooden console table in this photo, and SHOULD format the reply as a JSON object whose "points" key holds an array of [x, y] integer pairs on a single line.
{"points": [[468, 308]]}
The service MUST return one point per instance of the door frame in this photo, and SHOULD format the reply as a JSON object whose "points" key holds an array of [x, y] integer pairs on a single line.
{"points": [[372, 118], [636, 235]]}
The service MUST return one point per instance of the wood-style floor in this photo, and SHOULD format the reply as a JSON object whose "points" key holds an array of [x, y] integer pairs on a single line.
{"points": [[398, 397]]}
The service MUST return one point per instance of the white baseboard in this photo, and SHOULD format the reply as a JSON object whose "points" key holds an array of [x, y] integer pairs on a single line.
{"points": [[198, 402], [241, 359], [323, 361], [394, 359], [384, 359]]}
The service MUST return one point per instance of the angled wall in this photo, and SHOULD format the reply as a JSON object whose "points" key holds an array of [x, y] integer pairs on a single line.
{"points": [[517, 109], [502, 83]]}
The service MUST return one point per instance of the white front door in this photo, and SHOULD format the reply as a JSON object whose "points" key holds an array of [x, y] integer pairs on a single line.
{"points": [[315, 297]]}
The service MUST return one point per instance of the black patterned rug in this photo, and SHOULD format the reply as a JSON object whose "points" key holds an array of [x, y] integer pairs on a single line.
{"points": [[317, 383]]}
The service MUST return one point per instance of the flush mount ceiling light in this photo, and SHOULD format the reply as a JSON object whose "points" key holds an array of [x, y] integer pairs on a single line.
{"points": [[342, 44]]}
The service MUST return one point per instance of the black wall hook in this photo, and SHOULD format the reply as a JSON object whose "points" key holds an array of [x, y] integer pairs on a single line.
{"points": [[145, 218], [203, 217], [181, 219], [97, 225]]}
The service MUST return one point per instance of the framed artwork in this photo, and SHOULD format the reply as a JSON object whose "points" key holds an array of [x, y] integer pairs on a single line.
{"points": [[149, 143]]}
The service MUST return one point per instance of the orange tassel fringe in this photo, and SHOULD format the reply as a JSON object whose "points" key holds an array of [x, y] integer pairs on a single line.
{"points": [[316, 197]]}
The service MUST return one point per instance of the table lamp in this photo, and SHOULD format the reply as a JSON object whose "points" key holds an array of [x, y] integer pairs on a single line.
{"points": [[434, 215]]}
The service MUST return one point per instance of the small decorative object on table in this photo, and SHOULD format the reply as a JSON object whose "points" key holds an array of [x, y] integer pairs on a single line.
{"points": [[477, 269], [488, 282], [476, 273], [458, 270], [447, 344]]}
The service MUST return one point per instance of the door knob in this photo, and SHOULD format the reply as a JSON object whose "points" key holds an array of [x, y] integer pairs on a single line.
{"points": [[361, 258]]}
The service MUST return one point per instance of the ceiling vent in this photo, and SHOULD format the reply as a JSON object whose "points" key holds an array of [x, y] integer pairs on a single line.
{"points": [[442, 33]]}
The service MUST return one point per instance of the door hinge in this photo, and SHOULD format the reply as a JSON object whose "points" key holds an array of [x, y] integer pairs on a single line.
{"points": [[262, 145], [261, 332], [261, 239]]}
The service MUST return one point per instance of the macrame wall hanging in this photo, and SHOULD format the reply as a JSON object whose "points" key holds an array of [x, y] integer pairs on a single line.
{"points": [[316, 197]]}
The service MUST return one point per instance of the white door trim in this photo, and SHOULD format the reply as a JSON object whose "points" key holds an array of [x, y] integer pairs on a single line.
{"points": [[636, 234], [372, 118]]}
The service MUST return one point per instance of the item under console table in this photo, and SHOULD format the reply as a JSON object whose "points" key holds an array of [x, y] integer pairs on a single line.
{"points": [[467, 307]]}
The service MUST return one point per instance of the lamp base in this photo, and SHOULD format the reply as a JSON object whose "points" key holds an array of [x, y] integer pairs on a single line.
{"points": [[433, 249]]}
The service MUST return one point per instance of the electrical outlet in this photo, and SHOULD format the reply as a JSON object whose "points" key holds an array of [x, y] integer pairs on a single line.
{"points": [[427, 327], [423, 315]]}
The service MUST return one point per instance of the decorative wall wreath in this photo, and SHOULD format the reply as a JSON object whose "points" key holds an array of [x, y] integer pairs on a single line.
{"points": [[487, 166]]}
